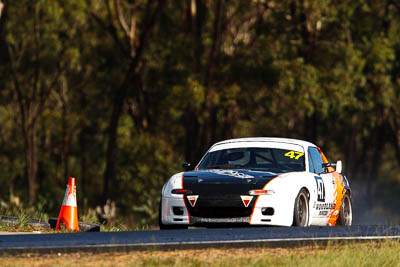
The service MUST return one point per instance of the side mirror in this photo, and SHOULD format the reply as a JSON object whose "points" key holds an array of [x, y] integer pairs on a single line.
{"points": [[186, 165], [339, 166]]}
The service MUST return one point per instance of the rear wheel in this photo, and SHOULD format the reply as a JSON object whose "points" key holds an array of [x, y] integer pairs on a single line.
{"points": [[346, 212], [168, 226], [301, 213]]}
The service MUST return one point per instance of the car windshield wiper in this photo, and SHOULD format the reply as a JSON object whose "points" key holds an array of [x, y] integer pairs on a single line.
{"points": [[225, 166]]}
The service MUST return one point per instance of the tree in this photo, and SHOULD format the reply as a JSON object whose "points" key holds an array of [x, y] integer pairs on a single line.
{"points": [[132, 41], [30, 64]]}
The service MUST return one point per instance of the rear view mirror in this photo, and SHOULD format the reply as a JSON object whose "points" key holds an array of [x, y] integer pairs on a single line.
{"points": [[339, 166], [186, 165]]}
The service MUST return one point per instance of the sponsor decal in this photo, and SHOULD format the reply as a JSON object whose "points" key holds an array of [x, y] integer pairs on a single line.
{"points": [[192, 200], [336, 212], [323, 212], [232, 173], [339, 192], [246, 200], [324, 206]]}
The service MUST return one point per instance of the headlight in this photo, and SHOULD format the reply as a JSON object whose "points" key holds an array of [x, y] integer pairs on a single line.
{"points": [[180, 191], [258, 192]]}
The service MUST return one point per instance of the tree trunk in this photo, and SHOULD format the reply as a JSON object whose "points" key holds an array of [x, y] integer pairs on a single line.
{"points": [[210, 109], [121, 94], [118, 102], [353, 145], [31, 163], [197, 34], [191, 125]]}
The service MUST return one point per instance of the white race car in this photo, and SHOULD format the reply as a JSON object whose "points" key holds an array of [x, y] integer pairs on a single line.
{"points": [[258, 181]]}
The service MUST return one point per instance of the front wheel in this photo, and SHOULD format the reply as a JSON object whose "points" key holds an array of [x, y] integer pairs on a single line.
{"points": [[301, 211], [346, 212]]}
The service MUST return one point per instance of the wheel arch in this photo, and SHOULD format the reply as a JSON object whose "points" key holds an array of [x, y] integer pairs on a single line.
{"points": [[296, 184], [348, 190], [308, 192], [308, 196]]}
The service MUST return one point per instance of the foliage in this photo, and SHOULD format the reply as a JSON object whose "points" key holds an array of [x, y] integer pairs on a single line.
{"points": [[119, 93]]}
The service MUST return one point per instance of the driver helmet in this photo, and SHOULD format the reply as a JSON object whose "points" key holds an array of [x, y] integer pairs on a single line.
{"points": [[238, 157]]}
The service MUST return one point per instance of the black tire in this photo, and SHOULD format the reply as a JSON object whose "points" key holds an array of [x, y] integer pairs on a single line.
{"points": [[301, 210], [346, 212], [168, 226]]}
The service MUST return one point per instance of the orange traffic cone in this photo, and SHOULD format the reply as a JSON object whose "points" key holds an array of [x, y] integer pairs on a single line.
{"points": [[69, 210]]}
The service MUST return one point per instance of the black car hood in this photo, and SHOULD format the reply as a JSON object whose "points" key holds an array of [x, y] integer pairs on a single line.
{"points": [[219, 192], [232, 181], [230, 176]]}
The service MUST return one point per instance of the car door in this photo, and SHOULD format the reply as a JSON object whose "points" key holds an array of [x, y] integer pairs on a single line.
{"points": [[324, 188]]}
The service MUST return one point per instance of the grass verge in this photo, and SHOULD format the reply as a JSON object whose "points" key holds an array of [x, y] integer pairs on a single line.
{"points": [[384, 253]]}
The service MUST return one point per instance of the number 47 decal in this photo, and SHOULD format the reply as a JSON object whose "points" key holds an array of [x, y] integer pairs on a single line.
{"points": [[291, 154]]}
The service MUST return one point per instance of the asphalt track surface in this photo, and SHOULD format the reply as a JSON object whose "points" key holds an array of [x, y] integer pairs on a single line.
{"points": [[189, 239]]}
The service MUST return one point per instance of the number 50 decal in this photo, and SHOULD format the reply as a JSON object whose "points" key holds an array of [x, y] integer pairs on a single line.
{"points": [[320, 188]]}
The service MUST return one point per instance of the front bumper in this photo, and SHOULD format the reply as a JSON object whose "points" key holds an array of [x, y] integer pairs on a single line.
{"points": [[282, 214], [167, 213]]}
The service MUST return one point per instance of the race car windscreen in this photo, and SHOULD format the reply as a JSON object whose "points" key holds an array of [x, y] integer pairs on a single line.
{"points": [[263, 159]]}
